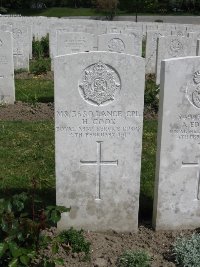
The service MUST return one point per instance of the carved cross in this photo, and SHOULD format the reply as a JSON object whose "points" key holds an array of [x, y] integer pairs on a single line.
{"points": [[99, 163]]}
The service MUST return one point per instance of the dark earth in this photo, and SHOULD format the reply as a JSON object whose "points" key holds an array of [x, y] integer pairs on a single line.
{"points": [[105, 247]]}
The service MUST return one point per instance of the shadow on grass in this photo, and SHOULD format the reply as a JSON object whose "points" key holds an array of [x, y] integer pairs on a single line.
{"points": [[46, 99], [145, 208]]}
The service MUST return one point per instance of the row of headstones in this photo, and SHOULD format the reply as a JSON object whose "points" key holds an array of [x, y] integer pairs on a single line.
{"points": [[98, 128], [76, 42], [162, 45], [24, 29], [128, 40]]}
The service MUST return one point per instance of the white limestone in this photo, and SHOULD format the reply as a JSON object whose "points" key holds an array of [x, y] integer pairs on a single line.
{"points": [[7, 87], [173, 46], [120, 43], [98, 124], [151, 50], [138, 37], [21, 47], [177, 192], [74, 42]]}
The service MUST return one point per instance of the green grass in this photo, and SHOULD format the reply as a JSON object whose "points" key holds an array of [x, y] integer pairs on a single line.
{"points": [[26, 152], [148, 168], [34, 90]]}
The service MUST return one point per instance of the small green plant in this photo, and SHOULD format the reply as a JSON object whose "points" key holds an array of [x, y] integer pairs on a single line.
{"points": [[187, 251], [151, 96], [76, 241], [41, 47], [134, 259], [40, 66], [22, 219]]}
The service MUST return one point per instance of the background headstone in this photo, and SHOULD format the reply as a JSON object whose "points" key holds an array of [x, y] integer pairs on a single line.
{"points": [[171, 47], [74, 42], [120, 43], [7, 86], [151, 50]]}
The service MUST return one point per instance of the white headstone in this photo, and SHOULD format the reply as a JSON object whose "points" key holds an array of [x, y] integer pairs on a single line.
{"points": [[98, 122], [74, 42], [173, 46], [113, 42], [7, 86], [21, 47], [138, 37], [180, 33], [151, 50], [177, 191]]}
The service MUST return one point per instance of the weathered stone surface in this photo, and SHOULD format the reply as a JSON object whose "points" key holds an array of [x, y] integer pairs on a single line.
{"points": [[171, 47], [151, 50], [98, 123], [7, 87], [120, 43], [177, 193], [21, 47], [137, 37], [74, 42]]}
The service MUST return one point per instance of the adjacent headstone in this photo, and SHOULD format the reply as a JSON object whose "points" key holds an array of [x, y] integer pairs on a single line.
{"points": [[120, 43], [138, 37], [177, 193], [21, 47], [98, 124], [173, 46], [7, 86], [74, 42], [151, 50], [180, 33]]}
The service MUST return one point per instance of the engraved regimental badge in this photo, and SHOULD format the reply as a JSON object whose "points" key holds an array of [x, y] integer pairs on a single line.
{"points": [[116, 45], [193, 90], [99, 84], [176, 48]]}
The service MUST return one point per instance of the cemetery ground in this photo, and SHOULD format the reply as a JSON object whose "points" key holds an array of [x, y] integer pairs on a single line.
{"points": [[27, 161]]}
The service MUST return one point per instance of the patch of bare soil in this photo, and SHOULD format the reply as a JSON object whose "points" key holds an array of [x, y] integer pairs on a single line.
{"points": [[27, 75], [27, 112], [106, 248]]}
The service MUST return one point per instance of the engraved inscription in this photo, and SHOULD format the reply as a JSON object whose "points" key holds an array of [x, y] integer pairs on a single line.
{"points": [[193, 165], [175, 48], [99, 124], [99, 163], [116, 45], [75, 44], [99, 84], [18, 52]]}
